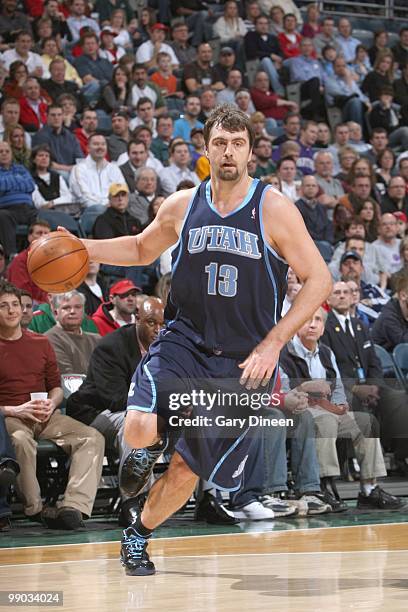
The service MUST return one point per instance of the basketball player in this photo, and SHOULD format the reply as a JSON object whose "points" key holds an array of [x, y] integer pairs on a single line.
{"points": [[235, 238]]}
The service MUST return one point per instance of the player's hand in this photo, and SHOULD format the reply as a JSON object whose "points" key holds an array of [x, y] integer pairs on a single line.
{"points": [[296, 401], [259, 366]]}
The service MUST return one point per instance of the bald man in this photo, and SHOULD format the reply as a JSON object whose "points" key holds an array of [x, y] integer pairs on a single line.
{"points": [[101, 400]]}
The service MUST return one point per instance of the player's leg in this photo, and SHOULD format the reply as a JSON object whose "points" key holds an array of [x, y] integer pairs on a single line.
{"points": [[166, 496], [142, 435]]}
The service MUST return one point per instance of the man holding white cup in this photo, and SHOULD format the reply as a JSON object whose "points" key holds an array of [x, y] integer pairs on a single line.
{"points": [[30, 393]]}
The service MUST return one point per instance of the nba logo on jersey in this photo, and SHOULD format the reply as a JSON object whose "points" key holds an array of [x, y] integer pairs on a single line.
{"points": [[253, 214]]}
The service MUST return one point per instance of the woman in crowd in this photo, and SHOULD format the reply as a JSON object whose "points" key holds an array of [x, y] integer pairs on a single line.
{"points": [[381, 42], [347, 156], [384, 172], [18, 74], [381, 76], [230, 28], [311, 26], [15, 136], [277, 14], [368, 214], [116, 95], [123, 36], [51, 189]]}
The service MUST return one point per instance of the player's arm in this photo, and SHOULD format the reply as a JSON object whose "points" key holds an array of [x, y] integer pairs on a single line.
{"points": [[286, 233], [144, 248]]}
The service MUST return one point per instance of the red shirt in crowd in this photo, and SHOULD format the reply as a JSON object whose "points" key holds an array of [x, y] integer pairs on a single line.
{"points": [[18, 275], [27, 365], [267, 103]]}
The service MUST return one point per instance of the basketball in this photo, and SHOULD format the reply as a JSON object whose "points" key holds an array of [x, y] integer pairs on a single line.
{"points": [[58, 262]]}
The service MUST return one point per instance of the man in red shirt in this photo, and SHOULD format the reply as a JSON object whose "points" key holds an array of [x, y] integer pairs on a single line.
{"points": [[267, 101], [17, 272], [89, 124], [28, 365]]}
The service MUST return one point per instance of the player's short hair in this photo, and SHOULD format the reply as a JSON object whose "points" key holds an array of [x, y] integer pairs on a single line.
{"points": [[230, 119], [10, 289]]}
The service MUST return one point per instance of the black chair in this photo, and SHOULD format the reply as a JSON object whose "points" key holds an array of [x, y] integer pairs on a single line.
{"points": [[400, 356], [56, 218], [387, 363]]}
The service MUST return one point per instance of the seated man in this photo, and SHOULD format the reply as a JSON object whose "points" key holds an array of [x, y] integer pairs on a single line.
{"points": [[33, 106], [361, 372], [178, 169], [27, 308], [261, 45], [315, 217], [22, 52], [16, 204], [95, 71], [373, 298], [116, 220], [120, 310], [64, 147], [342, 90], [73, 347], [264, 490], [9, 470], [391, 327], [101, 400], [311, 367], [17, 272], [90, 179], [31, 367], [387, 244]]}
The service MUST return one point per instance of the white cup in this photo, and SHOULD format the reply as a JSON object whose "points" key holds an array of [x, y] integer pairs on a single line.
{"points": [[39, 396]]}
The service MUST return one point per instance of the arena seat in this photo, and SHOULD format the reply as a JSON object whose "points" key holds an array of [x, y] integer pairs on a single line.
{"points": [[387, 363], [400, 356], [56, 218]]}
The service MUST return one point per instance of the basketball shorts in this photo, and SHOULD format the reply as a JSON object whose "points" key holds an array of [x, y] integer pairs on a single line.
{"points": [[198, 396]]}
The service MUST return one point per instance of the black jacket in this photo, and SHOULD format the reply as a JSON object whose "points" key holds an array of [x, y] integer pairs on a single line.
{"points": [[316, 220], [390, 206], [113, 224], [109, 375], [257, 48], [92, 302], [336, 339], [381, 117], [129, 176], [390, 328], [297, 370]]}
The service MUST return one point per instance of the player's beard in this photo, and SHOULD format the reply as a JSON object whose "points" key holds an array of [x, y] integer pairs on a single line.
{"points": [[228, 174]]}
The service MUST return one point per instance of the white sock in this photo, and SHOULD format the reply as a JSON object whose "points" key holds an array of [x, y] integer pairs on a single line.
{"points": [[367, 488]]}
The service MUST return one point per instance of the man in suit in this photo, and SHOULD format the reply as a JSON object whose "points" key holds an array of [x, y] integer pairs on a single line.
{"points": [[361, 371], [101, 400]]}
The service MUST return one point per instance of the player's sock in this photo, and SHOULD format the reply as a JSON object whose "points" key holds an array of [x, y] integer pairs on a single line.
{"points": [[367, 488], [143, 531]]}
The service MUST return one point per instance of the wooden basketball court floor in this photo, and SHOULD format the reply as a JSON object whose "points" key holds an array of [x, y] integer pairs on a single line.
{"points": [[362, 567]]}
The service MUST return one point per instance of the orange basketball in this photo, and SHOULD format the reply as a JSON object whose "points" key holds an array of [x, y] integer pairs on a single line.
{"points": [[58, 262]]}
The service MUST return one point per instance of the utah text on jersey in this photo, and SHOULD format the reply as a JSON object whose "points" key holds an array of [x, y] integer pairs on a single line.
{"points": [[223, 238]]}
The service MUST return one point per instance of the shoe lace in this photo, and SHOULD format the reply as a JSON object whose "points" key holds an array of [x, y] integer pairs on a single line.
{"points": [[135, 546]]}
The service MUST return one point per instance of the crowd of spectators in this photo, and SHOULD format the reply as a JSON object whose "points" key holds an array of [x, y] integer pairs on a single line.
{"points": [[103, 106]]}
